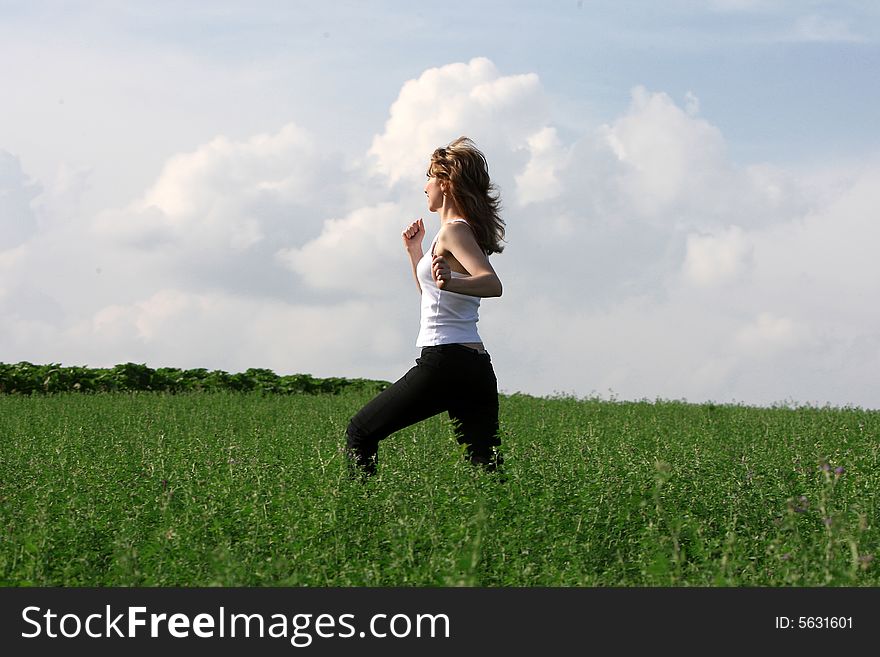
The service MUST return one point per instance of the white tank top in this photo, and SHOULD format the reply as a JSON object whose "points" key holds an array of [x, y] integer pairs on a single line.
{"points": [[447, 317]]}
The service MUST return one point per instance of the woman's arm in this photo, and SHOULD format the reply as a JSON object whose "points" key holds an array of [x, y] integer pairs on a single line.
{"points": [[458, 241], [412, 242]]}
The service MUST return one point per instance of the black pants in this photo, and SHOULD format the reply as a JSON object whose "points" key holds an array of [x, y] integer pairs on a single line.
{"points": [[449, 378]]}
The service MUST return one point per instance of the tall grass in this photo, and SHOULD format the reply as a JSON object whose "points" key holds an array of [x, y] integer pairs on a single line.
{"points": [[249, 490]]}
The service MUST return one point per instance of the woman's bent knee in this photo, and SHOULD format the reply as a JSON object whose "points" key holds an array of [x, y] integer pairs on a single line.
{"points": [[355, 437]]}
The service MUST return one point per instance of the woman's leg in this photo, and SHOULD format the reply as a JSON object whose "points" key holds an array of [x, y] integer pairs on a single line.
{"points": [[416, 396], [474, 412]]}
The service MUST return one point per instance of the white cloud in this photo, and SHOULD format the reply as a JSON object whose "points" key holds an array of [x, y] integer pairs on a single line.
{"points": [[360, 253], [471, 99], [182, 329], [714, 259], [17, 191], [222, 195], [9, 262], [691, 104], [216, 216], [768, 332], [539, 180], [61, 201], [665, 153], [280, 163]]}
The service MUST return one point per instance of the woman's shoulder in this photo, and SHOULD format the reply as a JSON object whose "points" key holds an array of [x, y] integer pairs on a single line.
{"points": [[457, 227], [455, 230]]}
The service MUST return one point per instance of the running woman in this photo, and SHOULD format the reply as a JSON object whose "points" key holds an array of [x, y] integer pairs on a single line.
{"points": [[454, 371]]}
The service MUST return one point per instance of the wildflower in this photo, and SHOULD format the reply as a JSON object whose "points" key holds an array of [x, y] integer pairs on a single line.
{"points": [[839, 470], [825, 467], [786, 556]]}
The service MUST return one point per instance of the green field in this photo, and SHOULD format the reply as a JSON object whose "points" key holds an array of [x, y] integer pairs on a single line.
{"points": [[248, 489]]}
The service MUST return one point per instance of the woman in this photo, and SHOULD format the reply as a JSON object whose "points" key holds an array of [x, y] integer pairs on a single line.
{"points": [[454, 372]]}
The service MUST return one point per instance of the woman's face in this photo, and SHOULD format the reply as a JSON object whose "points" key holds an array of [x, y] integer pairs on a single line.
{"points": [[434, 192]]}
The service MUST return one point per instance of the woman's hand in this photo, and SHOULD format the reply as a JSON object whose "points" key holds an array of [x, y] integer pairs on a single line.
{"points": [[413, 236], [440, 271]]}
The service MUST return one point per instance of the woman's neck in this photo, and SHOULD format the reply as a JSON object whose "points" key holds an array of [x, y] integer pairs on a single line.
{"points": [[449, 211]]}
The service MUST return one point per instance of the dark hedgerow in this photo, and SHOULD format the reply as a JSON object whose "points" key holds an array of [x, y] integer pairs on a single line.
{"points": [[27, 379]]}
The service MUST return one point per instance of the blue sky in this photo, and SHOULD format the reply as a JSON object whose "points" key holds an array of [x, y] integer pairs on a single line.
{"points": [[785, 81], [671, 171]]}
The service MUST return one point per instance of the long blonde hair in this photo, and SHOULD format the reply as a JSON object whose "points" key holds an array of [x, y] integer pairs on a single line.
{"points": [[463, 166]]}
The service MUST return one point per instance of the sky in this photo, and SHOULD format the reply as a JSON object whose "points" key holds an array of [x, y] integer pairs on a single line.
{"points": [[690, 189]]}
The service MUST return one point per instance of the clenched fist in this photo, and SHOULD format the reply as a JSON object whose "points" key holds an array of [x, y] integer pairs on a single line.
{"points": [[440, 271], [413, 235]]}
